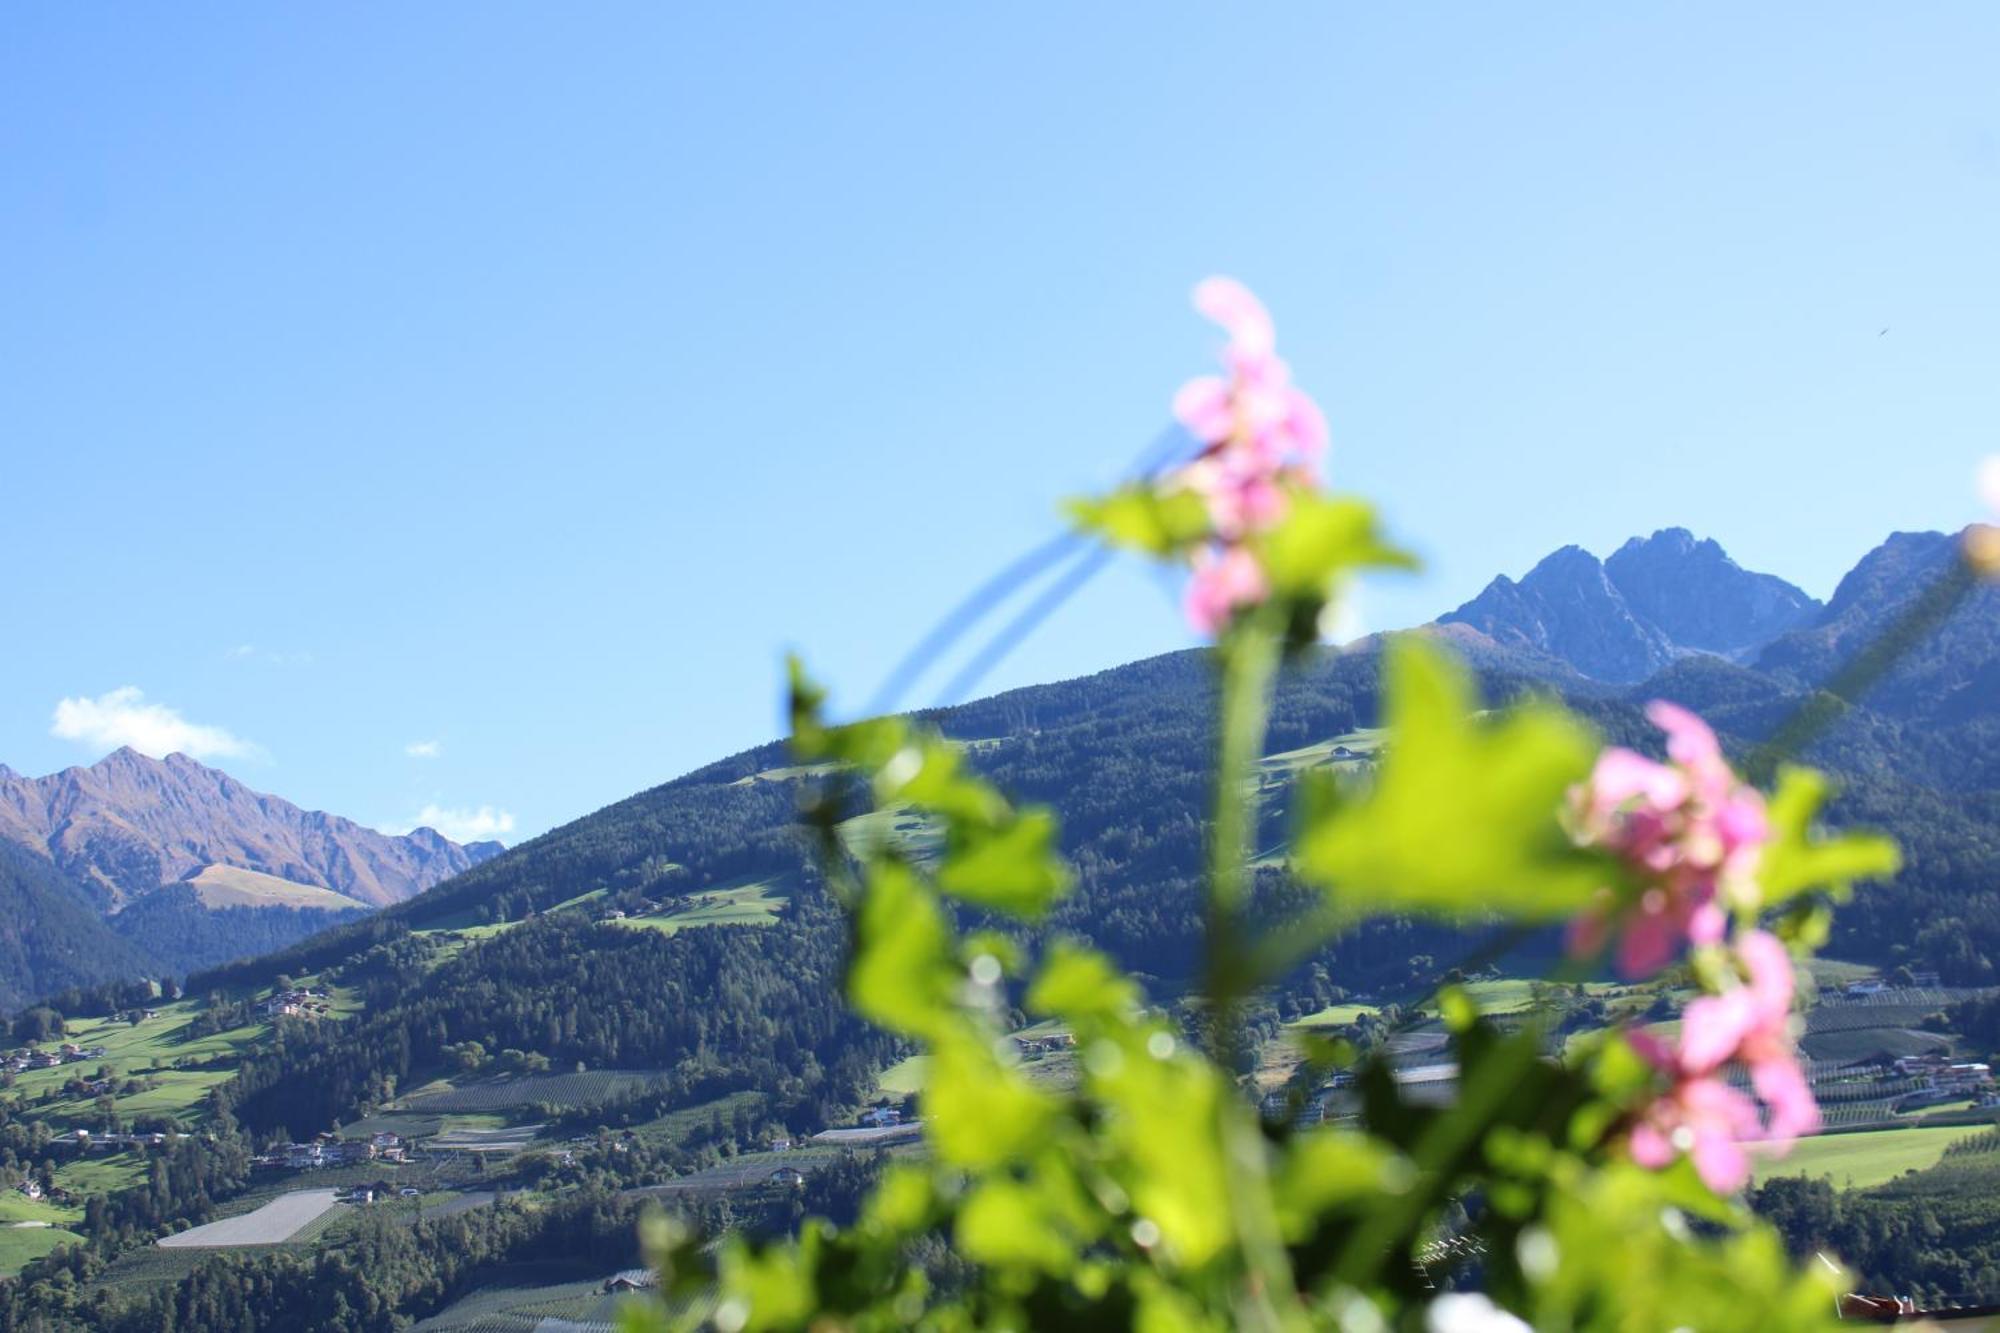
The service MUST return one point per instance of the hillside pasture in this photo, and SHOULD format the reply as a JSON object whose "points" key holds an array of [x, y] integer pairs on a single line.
{"points": [[106, 1174], [1361, 746], [233, 886], [756, 903], [899, 826], [1335, 1016], [519, 1091], [1865, 1159], [16, 1207], [21, 1243]]}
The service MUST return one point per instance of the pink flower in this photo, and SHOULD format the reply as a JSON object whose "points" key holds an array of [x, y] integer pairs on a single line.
{"points": [[1688, 830], [1241, 315], [1259, 436], [1223, 581], [1703, 1116], [1751, 1023], [1706, 1119]]}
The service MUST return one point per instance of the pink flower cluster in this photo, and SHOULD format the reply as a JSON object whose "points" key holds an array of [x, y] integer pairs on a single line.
{"points": [[1702, 1115], [1690, 832], [1692, 836], [1259, 434]]}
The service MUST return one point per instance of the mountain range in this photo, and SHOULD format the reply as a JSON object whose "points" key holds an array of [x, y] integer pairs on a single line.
{"points": [[586, 949], [1656, 600], [1122, 757], [171, 865]]}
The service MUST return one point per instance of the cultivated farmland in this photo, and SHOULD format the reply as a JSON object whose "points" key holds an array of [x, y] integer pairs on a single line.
{"points": [[274, 1223]]}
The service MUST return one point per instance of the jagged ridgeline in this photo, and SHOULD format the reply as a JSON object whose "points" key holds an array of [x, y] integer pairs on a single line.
{"points": [[580, 946]]}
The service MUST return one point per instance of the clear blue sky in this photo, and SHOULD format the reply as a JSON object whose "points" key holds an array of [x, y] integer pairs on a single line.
{"points": [[522, 379]]}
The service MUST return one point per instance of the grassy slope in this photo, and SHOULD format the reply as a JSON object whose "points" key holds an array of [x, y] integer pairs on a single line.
{"points": [[753, 904], [149, 1050], [18, 1245], [232, 886], [1859, 1161]]}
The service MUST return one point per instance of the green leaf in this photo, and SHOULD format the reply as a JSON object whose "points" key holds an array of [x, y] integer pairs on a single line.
{"points": [[1463, 819], [1328, 1168], [1164, 1127], [903, 1200], [1030, 1224], [1795, 862], [978, 1112], [1144, 518], [1011, 868], [1320, 538], [1081, 985], [902, 976], [773, 1284]]}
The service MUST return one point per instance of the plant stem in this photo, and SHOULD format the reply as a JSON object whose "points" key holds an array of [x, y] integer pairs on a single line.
{"points": [[1249, 660]]}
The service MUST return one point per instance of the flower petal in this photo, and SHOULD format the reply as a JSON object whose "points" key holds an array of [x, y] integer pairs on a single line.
{"points": [[1782, 1086], [1689, 739], [1203, 406], [1713, 1028], [1230, 304]]}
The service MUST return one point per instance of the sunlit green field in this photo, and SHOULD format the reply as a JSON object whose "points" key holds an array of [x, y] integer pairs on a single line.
{"points": [[148, 1050], [101, 1175], [1859, 1161], [1333, 1016], [753, 904], [18, 1207], [18, 1245]]}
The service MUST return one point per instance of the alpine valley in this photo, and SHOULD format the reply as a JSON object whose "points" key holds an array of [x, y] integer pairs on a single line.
{"points": [[645, 1004]]}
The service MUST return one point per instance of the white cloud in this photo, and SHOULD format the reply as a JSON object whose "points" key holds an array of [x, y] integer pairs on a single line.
{"points": [[123, 717], [424, 749], [460, 824]]}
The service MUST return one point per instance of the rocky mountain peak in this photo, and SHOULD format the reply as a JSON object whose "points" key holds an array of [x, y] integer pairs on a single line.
{"points": [[1656, 599], [129, 824]]}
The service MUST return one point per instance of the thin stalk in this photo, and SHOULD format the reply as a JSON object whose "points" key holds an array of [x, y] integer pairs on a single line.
{"points": [[1249, 661]]}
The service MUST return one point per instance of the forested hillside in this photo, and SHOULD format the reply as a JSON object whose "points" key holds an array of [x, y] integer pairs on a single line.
{"points": [[1121, 756], [49, 940]]}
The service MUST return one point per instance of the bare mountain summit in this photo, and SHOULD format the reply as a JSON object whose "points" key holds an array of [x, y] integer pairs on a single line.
{"points": [[129, 825], [1655, 600]]}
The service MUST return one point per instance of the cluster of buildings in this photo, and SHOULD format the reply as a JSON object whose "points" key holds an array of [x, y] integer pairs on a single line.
{"points": [[1857, 990], [299, 1002], [643, 907], [28, 1057], [1036, 1047], [328, 1150], [84, 1140], [1945, 1078], [366, 1194]]}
